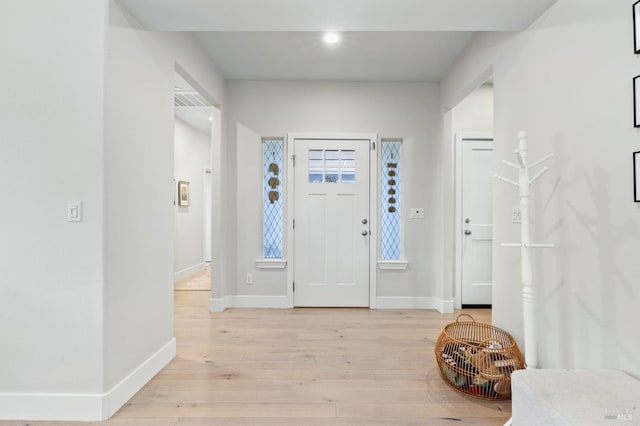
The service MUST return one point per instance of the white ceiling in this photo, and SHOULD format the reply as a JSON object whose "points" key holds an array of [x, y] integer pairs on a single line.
{"points": [[388, 56], [337, 15], [383, 40], [389, 40]]}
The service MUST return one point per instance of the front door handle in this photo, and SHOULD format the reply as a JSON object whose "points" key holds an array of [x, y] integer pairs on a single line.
{"points": [[467, 232], [365, 233]]}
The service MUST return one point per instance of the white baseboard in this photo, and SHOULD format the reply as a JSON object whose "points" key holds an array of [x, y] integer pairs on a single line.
{"points": [[405, 302], [249, 301], [283, 302], [217, 305], [51, 406], [84, 407], [187, 272], [446, 306], [271, 302], [123, 391]]}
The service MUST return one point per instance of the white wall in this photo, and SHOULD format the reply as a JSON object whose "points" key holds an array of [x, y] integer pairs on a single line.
{"points": [[567, 81], [87, 115], [406, 110], [139, 187], [475, 112], [192, 155], [50, 152]]}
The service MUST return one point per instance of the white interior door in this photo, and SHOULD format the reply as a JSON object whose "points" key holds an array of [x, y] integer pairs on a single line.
{"points": [[331, 231], [477, 221]]}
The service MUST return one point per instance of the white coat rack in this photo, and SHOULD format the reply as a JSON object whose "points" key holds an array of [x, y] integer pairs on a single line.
{"points": [[528, 295]]}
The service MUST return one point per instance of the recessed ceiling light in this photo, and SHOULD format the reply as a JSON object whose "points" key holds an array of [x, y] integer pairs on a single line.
{"points": [[331, 38], [210, 118]]}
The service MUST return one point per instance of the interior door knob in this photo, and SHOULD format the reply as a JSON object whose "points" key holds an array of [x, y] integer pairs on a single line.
{"points": [[467, 232], [365, 233]]}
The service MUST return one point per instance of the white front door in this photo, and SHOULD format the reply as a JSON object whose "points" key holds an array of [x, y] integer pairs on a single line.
{"points": [[331, 231], [477, 221]]}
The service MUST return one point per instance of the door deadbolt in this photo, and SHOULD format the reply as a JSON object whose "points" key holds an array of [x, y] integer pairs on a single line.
{"points": [[467, 220], [467, 232], [365, 221]]}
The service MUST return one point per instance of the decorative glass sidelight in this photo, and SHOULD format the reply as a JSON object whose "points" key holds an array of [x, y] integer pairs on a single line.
{"points": [[390, 204], [272, 214]]}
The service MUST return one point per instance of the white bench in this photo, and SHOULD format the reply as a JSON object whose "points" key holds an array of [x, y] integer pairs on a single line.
{"points": [[574, 397]]}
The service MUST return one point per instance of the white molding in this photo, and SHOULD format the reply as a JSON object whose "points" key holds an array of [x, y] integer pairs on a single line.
{"points": [[217, 305], [374, 160], [84, 406], [271, 263], [446, 306], [205, 195], [250, 301], [247, 301], [282, 302], [51, 406], [407, 302], [457, 227], [187, 272], [393, 264], [289, 250], [123, 391]]}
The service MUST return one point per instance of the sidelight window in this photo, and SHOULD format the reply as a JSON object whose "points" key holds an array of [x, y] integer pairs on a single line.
{"points": [[391, 199], [272, 214]]}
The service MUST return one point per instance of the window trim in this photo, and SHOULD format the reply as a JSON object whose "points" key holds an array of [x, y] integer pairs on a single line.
{"points": [[397, 265], [271, 263]]}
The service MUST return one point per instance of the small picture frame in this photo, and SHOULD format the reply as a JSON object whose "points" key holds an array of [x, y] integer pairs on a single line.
{"points": [[636, 27], [636, 176], [636, 101], [184, 193]]}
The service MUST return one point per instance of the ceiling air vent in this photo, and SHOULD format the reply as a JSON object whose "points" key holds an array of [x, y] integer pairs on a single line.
{"points": [[184, 99]]}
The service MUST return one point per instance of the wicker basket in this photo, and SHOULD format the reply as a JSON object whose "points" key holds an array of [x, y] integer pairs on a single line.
{"points": [[477, 358]]}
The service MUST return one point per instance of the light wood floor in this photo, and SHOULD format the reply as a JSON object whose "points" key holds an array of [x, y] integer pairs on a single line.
{"points": [[199, 281], [311, 367]]}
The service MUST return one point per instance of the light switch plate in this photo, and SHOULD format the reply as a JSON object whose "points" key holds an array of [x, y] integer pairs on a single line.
{"points": [[74, 211], [516, 214], [416, 213]]}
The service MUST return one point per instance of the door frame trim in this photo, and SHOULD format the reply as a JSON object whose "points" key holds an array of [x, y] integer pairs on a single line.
{"points": [[373, 203], [207, 194], [459, 138]]}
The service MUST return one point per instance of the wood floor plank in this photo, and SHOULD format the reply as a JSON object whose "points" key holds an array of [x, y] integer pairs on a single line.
{"points": [[369, 421], [245, 409]]}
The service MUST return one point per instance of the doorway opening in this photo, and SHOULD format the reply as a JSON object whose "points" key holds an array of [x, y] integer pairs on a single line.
{"points": [[193, 131], [472, 125]]}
